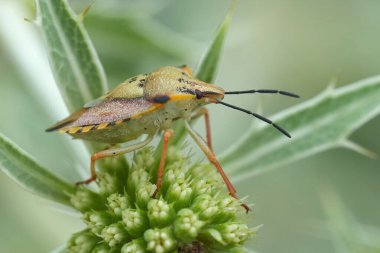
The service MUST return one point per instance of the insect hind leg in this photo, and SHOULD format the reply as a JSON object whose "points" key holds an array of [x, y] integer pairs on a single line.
{"points": [[111, 153], [212, 158], [160, 172]]}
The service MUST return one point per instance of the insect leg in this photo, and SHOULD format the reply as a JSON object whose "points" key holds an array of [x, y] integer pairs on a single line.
{"points": [[204, 112], [186, 69], [113, 152], [160, 172], [212, 158]]}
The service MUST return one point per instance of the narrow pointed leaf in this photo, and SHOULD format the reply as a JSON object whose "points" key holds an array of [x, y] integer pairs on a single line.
{"points": [[76, 66], [23, 169], [209, 63], [315, 125]]}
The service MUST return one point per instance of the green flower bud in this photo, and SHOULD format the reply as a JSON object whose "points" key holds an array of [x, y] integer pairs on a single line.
{"points": [[206, 207], [135, 246], [143, 159], [117, 166], [206, 171], [193, 213], [160, 240], [174, 172], [180, 193], [97, 220], [160, 213], [85, 200], [117, 203], [114, 234], [144, 194], [101, 248], [228, 208], [136, 178], [82, 242], [135, 221], [108, 183], [174, 154], [235, 233], [204, 186], [187, 225]]}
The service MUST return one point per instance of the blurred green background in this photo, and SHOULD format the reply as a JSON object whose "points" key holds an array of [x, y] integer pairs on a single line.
{"points": [[295, 45]]}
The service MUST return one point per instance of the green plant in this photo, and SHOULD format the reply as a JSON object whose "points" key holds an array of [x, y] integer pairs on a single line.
{"points": [[333, 116]]}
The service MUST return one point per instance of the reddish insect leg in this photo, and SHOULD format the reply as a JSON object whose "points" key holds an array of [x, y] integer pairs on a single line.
{"points": [[186, 69], [211, 157], [113, 152], [160, 172], [204, 112]]}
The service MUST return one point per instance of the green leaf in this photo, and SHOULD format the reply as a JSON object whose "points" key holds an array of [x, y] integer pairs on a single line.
{"points": [[76, 66], [208, 64], [346, 232], [316, 125], [23, 169]]}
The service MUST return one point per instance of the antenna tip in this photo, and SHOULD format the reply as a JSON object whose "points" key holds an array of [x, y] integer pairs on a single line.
{"points": [[281, 130], [289, 94], [287, 134]]}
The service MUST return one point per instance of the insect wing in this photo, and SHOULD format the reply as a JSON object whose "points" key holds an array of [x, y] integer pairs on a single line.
{"points": [[108, 112], [66, 121], [114, 110], [123, 102]]}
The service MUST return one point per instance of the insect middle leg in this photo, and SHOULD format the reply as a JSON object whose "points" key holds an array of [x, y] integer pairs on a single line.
{"points": [[160, 172], [204, 112], [212, 158], [113, 152]]}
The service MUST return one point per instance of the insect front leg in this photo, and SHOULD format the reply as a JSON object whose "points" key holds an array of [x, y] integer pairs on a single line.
{"points": [[113, 152], [212, 158], [204, 112], [160, 172]]}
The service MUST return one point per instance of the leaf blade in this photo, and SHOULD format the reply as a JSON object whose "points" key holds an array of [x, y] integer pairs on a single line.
{"points": [[208, 65], [316, 125], [76, 66], [345, 231], [25, 171]]}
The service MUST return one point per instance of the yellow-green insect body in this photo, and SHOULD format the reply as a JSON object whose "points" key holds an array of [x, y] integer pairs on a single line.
{"points": [[146, 104], [141, 105]]}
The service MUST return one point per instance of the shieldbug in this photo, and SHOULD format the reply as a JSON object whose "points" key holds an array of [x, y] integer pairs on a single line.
{"points": [[146, 104]]}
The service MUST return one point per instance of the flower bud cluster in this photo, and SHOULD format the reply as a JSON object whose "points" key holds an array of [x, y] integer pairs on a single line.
{"points": [[192, 212]]}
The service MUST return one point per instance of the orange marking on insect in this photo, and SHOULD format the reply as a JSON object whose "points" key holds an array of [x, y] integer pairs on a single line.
{"points": [[187, 69], [73, 130], [102, 126], [151, 109], [118, 122], [87, 128], [180, 97]]}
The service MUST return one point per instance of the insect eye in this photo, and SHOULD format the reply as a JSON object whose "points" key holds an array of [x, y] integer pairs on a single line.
{"points": [[198, 94]]}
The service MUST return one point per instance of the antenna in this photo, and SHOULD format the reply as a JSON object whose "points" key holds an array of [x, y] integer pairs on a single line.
{"points": [[257, 116], [289, 94]]}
